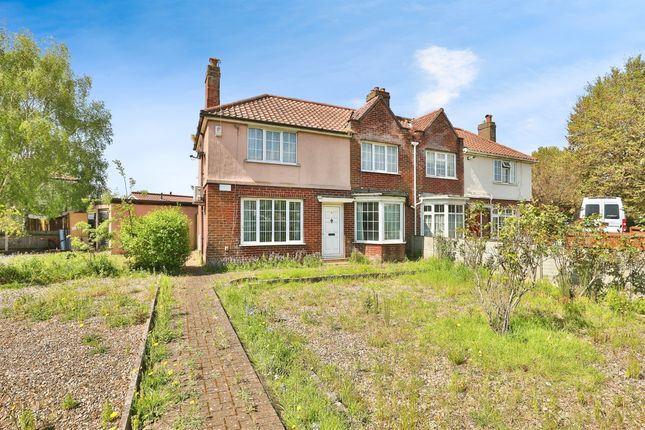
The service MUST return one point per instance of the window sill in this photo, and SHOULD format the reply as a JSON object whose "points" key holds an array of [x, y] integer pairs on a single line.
{"points": [[512, 184], [443, 177], [383, 173], [279, 163], [273, 244], [373, 242]]}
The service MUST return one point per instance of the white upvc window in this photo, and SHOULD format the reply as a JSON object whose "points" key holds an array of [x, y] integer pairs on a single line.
{"points": [[497, 218], [443, 219], [271, 222], [441, 164], [272, 146], [379, 221], [504, 171], [378, 157]]}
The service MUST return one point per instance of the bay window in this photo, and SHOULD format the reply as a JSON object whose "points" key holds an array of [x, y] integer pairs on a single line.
{"points": [[443, 219], [271, 221], [441, 164], [377, 157], [272, 146], [379, 221]]}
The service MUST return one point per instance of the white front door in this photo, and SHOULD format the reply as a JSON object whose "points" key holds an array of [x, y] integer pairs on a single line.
{"points": [[332, 231]]}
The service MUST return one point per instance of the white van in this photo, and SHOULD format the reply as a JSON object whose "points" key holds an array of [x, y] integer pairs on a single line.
{"points": [[610, 211]]}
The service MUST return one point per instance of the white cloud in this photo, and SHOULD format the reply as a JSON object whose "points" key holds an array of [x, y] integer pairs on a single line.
{"points": [[447, 72]]}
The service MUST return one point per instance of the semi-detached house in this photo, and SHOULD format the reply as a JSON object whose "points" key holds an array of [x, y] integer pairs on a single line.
{"points": [[283, 175]]}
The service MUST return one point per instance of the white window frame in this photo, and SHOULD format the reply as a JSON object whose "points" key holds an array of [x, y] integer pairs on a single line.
{"points": [[264, 146], [446, 214], [450, 157], [381, 219], [497, 218], [512, 166], [373, 161], [257, 242]]}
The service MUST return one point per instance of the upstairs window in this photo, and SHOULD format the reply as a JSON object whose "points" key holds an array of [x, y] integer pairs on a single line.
{"points": [[504, 172], [381, 158], [441, 165], [272, 146]]}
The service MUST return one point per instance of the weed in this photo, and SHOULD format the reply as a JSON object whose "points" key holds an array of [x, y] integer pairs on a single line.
{"points": [[457, 383], [108, 414], [358, 257], [69, 402], [457, 356], [27, 420], [633, 370], [156, 390], [94, 341]]}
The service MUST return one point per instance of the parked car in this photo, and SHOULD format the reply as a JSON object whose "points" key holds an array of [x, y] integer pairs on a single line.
{"points": [[610, 211]]}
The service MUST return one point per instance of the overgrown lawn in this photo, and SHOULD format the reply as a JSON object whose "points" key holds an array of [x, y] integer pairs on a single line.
{"points": [[416, 352]]}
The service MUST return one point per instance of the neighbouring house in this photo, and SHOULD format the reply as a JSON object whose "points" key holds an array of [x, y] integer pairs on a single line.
{"points": [[284, 175], [143, 203]]}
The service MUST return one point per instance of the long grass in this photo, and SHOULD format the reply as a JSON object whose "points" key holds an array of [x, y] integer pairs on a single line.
{"points": [[157, 389], [555, 356], [79, 301], [283, 359], [53, 268]]}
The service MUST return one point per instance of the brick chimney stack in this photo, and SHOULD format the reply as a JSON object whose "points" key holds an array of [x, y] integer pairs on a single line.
{"points": [[488, 129], [376, 91], [212, 83]]}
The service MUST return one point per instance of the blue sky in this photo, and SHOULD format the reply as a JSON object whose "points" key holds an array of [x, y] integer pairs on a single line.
{"points": [[524, 62]]}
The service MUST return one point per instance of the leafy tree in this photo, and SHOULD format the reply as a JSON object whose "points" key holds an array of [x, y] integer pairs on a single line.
{"points": [[52, 136], [556, 179], [607, 133]]}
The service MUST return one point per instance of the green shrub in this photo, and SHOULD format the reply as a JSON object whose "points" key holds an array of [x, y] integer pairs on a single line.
{"points": [[157, 241], [358, 257]]}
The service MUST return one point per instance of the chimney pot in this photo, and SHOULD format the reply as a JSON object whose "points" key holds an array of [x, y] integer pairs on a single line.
{"points": [[488, 129], [377, 91], [213, 75]]}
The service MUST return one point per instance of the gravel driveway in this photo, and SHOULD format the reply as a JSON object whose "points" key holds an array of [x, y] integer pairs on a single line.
{"points": [[40, 362]]}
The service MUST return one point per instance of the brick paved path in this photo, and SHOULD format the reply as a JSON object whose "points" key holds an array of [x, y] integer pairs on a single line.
{"points": [[232, 397]]}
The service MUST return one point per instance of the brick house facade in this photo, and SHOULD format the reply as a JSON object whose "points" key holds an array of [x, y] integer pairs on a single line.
{"points": [[284, 176]]}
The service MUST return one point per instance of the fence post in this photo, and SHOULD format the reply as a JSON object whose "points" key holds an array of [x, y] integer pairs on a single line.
{"points": [[6, 242]]}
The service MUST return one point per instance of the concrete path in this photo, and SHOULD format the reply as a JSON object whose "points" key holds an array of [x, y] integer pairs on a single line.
{"points": [[231, 394]]}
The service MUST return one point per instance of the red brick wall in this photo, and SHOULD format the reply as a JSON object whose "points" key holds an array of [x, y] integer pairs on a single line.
{"points": [[440, 136], [223, 218], [379, 125]]}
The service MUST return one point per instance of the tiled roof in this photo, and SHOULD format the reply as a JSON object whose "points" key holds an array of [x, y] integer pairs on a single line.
{"points": [[479, 144], [422, 122], [321, 116], [161, 197], [358, 113], [287, 111]]}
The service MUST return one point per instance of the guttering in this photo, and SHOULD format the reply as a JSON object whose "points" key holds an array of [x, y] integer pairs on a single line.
{"points": [[414, 184]]}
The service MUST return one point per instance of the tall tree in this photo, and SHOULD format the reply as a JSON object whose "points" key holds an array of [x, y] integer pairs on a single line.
{"points": [[607, 133], [52, 136], [556, 179]]}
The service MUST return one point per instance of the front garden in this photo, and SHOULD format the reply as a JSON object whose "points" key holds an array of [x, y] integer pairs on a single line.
{"points": [[416, 351]]}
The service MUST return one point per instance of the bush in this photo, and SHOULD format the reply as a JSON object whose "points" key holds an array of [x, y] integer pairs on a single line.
{"points": [[157, 241]]}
